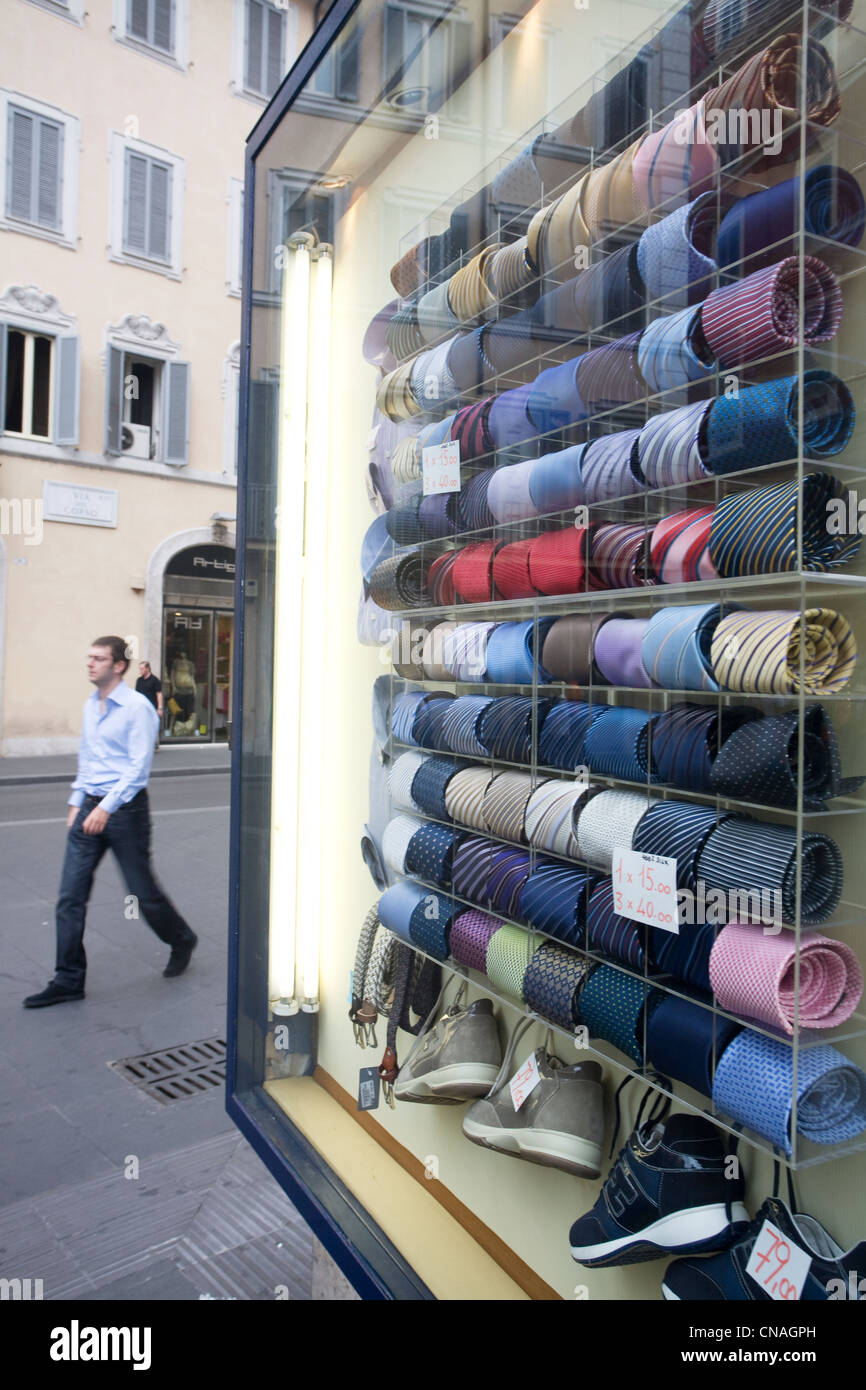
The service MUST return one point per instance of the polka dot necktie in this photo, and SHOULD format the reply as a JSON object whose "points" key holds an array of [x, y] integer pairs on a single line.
{"points": [[430, 852], [430, 924], [758, 761], [612, 1006]]}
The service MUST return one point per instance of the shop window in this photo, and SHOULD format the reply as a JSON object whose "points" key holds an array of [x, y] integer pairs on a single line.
{"points": [[39, 385], [426, 56], [147, 408]]}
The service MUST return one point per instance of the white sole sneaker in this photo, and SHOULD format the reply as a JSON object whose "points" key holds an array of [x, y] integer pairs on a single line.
{"points": [[682, 1230], [460, 1081], [552, 1148]]}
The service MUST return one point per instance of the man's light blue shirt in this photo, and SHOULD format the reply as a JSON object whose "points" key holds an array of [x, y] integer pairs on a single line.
{"points": [[116, 748]]}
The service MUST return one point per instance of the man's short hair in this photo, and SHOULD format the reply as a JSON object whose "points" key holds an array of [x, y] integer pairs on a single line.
{"points": [[117, 646]]}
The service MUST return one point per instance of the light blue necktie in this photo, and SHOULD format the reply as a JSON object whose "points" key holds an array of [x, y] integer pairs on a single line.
{"points": [[607, 467], [666, 354], [676, 646], [510, 651], [670, 257], [556, 480], [668, 451], [460, 727]]}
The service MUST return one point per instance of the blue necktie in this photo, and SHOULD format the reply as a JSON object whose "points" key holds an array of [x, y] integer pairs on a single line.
{"points": [[553, 982], [505, 727], [508, 872], [618, 745], [460, 725], [685, 956], [554, 900], [430, 852], [773, 529], [556, 481], [430, 924], [833, 204], [429, 783], [685, 1041], [678, 830], [471, 867], [554, 400], [686, 739], [608, 467], [758, 426], [612, 1007], [429, 718], [397, 905], [611, 934], [670, 352], [671, 255], [402, 519], [564, 732], [404, 716], [675, 650], [758, 761], [510, 652], [743, 854]]}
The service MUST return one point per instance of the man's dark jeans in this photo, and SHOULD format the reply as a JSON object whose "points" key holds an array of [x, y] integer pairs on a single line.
{"points": [[127, 834]]}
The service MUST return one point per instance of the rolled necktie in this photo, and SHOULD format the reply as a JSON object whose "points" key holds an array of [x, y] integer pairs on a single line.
{"points": [[508, 421], [397, 904], [755, 1085], [621, 556], [431, 382], [433, 652], [685, 956], [607, 821], [608, 376], [618, 647], [558, 561], [400, 780], [437, 517], [761, 652], [552, 983], [430, 716], [437, 432], [610, 202], [506, 726], [678, 830], [461, 723], [406, 648], [396, 838], [760, 860], [473, 572], [569, 648], [509, 871], [406, 461], [759, 762], [685, 1041], [561, 230], [674, 256], [761, 314], [505, 803], [608, 466], [612, 1006], [676, 161], [508, 952], [554, 900], [753, 974], [672, 352], [833, 208], [401, 519], [430, 852], [668, 450], [403, 714], [404, 334], [756, 532], [470, 934], [680, 549], [687, 740], [400, 582], [612, 934], [468, 291], [759, 425], [563, 735], [511, 573], [464, 796], [724, 21], [608, 293], [470, 428], [509, 343], [465, 649], [430, 783], [509, 271], [553, 399], [430, 924], [508, 495], [471, 866], [468, 363], [678, 648], [435, 317], [407, 275], [394, 395], [618, 745], [511, 650], [550, 817], [770, 81]]}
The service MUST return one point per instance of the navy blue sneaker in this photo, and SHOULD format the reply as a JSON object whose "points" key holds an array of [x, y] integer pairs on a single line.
{"points": [[834, 1273], [666, 1191]]}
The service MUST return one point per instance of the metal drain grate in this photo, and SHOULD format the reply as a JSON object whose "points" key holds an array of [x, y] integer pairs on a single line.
{"points": [[176, 1073]]}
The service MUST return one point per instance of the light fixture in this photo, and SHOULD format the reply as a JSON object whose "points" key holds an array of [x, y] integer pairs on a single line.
{"points": [[330, 183]]}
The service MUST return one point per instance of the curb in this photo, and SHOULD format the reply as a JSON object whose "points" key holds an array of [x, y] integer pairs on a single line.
{"points": [[56, 777]]}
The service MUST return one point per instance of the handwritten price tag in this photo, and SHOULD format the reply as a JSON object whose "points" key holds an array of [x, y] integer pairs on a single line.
{"points": [[645, 888], [524, 1082], [440, 466], [777, 1265]]}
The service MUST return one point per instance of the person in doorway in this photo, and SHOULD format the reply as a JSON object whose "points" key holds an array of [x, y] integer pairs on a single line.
{"points": [[108, 809], [150, 686]]}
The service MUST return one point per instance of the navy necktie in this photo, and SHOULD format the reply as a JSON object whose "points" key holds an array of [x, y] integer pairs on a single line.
{"points": [[505, 727], [685, 1041], [678, 830], [834, 208], [429, 783], [686, 740], [611, 934], [758, 761], [430, 852], [742, 854], [758, 426], [554, 900], [612, 1005], [564, 732], [553, 982], [618, 745]]}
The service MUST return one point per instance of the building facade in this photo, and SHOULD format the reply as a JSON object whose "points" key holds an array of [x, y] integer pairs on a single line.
{"points": [[122, 129]]}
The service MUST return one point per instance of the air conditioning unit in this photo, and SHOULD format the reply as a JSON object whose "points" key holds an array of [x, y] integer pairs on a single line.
{"points": [[135, 441]]}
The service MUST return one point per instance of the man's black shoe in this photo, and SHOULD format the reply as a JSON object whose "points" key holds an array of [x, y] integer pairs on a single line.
{"points": [[179, 958], [52, 994]]}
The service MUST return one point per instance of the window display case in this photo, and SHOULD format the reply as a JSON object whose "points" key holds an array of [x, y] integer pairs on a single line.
{"points": [[550, 665]]}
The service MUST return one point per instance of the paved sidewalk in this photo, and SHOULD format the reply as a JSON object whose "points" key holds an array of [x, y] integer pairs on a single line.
{"points": [[179, 761]]}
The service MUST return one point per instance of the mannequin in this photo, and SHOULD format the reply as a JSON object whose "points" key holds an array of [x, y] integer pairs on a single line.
{"points": [[184, 692]]}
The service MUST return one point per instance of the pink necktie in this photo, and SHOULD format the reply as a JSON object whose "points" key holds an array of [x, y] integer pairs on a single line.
{"points": [[679, 549], [752, 974]]}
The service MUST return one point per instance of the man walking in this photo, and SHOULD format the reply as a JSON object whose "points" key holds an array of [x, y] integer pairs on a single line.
{"points": [[108, 809], [150, 686]]}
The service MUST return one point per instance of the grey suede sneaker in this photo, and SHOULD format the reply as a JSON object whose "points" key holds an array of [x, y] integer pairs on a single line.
{"points": [[560, 1124], [456, 1059]]}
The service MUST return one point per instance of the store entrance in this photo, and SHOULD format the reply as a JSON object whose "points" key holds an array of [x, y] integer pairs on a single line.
{"points": [[197, 647]]}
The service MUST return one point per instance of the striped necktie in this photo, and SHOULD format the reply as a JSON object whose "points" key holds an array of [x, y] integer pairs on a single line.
{"points": [[509, 871], [676, 647], [402, 519], [761, 314], [671, 351], [511, 652], [401, 778], [505, 803], [553, 982], [668, 450], [395, 841], [755, 532], [403, 714], [685, 956], [619, 745], [758, 762], [753, 975], [473, 513], [435, 317], [429, 718], [675, 160], [432, 652], [608, 376], [564, 731], [465, 651], [464, 796], [470, 869], [680, 549], [611, 934], [440, 582], [460, 725], [554, 900], [687, 739], [471, 429], [621, 556], [609, 467], [470, 934], [761, 652], [678, 830], [607, 821], [550, 817], [506, 727], [437, 516], [750, 856]]}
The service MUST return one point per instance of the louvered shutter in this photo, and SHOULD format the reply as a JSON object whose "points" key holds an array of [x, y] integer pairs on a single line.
{"points": [[255, 45], [349, 66], [176, 413], [22, 140], [137, 20], [159, 212], [461, 62], [113, 399], [67, 369], [48, 188], [276, 41], [3, 333], [395, 45], [163, 15], [262, 429], [135, 204]]}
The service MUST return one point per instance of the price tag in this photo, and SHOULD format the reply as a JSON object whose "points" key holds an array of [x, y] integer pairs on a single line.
{"points": [[440, 464], [368, 1088], [777, 1265], [645, 888], [524, 1082]]}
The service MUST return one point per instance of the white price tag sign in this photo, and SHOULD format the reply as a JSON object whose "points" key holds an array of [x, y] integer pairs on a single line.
{"points": [[440, 464], [523, 1082], [777, 1265], [645, 888]]}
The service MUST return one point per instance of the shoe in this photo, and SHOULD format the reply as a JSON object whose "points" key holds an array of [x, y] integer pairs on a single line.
{"points": [[179, 958], [834, 1274], [559, 1125], [52, 994], [456, 1060], [666, 1191]]}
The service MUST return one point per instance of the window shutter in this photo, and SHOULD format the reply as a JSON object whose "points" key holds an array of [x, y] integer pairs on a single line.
{"points": [[3, 332], [135, 204], [395, 48], [48, 189], [275, 49], [137, 19], [461, 61], [67, 369], [159, 212], [113, 399], [163, 26], [349, 66], [176, 416], [21, 158], [260, 460], [255, 45], [235, 379]]}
